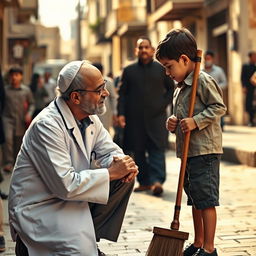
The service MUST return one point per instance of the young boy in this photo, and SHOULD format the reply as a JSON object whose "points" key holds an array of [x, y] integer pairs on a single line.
{"points": [[177, 53]]}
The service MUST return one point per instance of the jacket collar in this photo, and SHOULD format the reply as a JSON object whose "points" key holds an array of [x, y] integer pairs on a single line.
{"points": [[189, 79], [70, 123]]}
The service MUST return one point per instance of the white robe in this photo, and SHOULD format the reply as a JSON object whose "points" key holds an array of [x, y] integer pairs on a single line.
{"points": [[53, 182]]}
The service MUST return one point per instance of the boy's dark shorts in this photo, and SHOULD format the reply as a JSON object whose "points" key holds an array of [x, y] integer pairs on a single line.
{"points": [[201, 182]]}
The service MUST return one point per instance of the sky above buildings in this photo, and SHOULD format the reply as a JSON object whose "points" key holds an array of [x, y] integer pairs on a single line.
{"points": [[58, 13]]}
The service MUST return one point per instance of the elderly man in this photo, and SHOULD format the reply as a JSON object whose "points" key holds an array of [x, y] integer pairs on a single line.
{"points": [[59, 204]]}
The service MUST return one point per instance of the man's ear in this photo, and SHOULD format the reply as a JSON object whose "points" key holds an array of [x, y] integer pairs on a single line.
{"points": [[75, 97], [185, 59]]}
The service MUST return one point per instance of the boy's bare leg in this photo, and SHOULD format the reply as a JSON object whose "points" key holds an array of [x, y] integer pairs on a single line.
{"points": [[198, 227], [209, 222]]}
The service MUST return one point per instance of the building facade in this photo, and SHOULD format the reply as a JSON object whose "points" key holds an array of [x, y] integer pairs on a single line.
{"points": [[227, 27]]}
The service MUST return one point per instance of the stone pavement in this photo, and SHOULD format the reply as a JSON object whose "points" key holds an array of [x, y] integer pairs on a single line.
{"points": [[236, 228]]}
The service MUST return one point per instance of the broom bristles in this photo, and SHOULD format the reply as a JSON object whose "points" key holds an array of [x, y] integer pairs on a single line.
{"points": [[165, 246], [167, 242]]}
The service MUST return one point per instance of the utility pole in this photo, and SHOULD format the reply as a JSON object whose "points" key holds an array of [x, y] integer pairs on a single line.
{"points": [[78, 38]]}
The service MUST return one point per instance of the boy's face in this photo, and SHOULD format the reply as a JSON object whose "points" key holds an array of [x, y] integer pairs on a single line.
{"points": [[15, 79], [177, 70]]}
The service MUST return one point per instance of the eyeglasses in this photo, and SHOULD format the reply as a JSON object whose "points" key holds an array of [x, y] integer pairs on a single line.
{"points": [[99, 91]]}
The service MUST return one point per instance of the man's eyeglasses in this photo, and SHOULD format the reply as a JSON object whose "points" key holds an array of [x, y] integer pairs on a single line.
{"points": [[99, 91]]}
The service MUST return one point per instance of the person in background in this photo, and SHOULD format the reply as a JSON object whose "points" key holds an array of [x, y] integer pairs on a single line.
{"points": [[17, 114], [217, 73], [110, 117], [58, 203], [144, 94], [39, 93], [50, 87], [2, 139], [248, 70]]}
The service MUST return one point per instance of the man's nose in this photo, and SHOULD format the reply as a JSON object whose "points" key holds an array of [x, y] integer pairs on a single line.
{"points": [[105, 92]]}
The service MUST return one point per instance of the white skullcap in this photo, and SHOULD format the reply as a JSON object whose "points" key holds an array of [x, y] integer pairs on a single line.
{"points": [[67, 74]]}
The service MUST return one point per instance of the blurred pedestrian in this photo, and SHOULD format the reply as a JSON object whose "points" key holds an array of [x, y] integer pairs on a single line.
{"points": [[217, 73], [39, 93], [17, 114], [2, 139], [177, 53], [110, 116], [58, 204], [248, 70], [50, 87], [2, 240], [144, 94]]}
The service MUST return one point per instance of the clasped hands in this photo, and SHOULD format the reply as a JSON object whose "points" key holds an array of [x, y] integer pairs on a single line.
{"points": [[123, 168], [186, 124]]}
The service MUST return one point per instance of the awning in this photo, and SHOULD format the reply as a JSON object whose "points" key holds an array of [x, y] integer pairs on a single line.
{"points": [[127, 29], [175, 10]]}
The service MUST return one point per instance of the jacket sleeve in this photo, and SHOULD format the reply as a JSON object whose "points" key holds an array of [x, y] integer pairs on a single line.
{"points": [[211, 96], [222, 79], [31, 102], [112, 97], [50, 156], [105, 149], [244, 76]]}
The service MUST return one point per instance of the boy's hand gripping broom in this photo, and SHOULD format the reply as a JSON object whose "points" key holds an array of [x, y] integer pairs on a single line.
{"points": [[169, 242]]}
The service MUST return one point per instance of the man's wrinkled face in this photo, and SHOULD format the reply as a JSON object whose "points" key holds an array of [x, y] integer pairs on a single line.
{"points": [[94, 103], [144, 50], [93, 98]]}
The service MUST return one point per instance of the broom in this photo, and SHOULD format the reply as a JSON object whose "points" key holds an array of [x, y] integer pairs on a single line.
{"points": [[170, 242]]}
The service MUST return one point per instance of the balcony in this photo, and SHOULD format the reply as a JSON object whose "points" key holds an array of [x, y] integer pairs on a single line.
{"points": [[174, 10], [8, 3], [127, 16], [28, 8], [22, 31]]}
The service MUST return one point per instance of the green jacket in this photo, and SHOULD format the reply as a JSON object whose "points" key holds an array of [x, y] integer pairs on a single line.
{"points": [[209, 107]]}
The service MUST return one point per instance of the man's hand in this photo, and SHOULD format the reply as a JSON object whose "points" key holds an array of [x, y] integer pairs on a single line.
{"points": [[121, 121], [28, 120], [188, 124], [123, 168], [171, 123]]}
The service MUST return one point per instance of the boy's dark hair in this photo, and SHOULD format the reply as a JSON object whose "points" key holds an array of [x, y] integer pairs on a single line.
{"points": [[209, 52], [15, 70], [176, 43], [98, 65]]}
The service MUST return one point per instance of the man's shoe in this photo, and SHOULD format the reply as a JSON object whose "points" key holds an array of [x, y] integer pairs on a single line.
{"points": [[202, 252], [190, 250], [100, 253], [157, 189], [2, 244], [141, 188]]}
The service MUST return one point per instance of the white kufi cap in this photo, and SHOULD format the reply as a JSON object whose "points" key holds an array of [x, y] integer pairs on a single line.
{"points": [[67, 74]]}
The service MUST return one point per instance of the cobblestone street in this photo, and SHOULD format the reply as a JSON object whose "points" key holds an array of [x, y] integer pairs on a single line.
{"points": [[236, 228]]}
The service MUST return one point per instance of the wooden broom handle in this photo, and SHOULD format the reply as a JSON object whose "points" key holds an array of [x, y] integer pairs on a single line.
{"points": [[175, 223]]}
